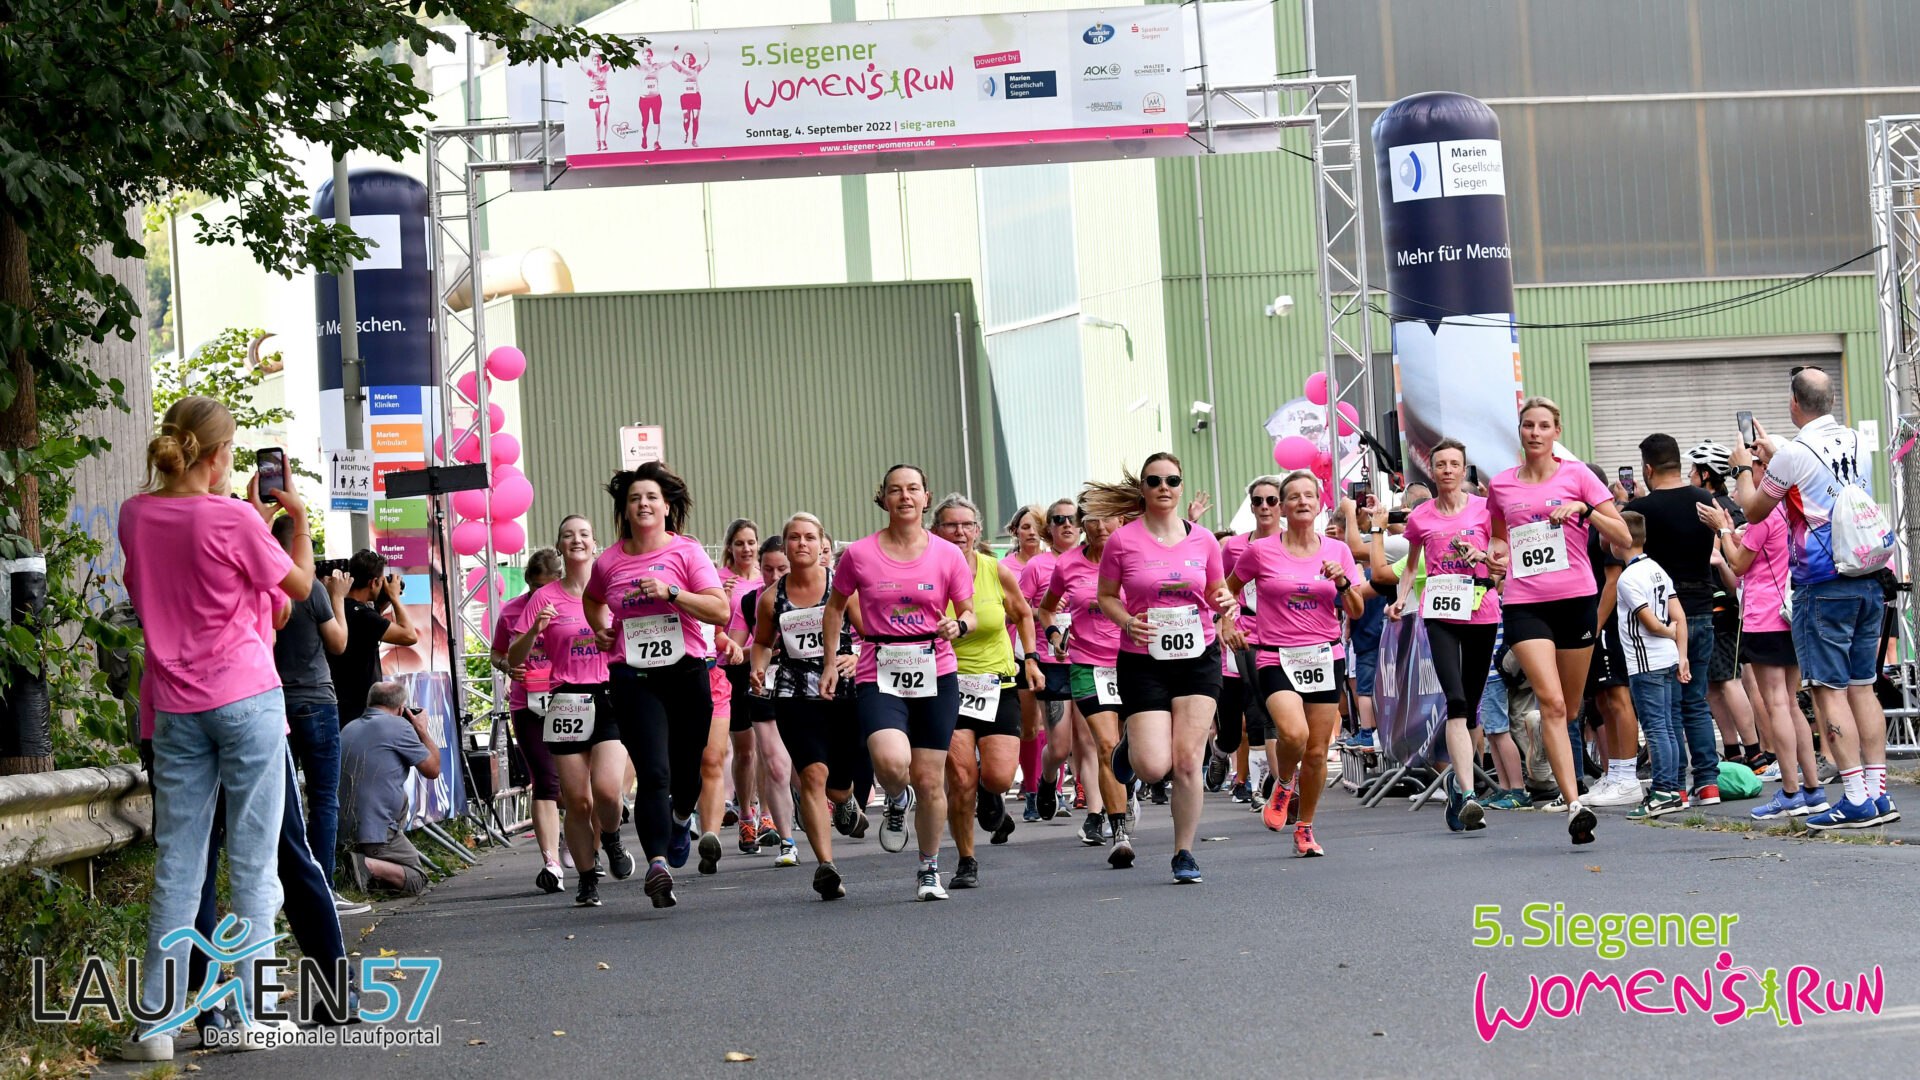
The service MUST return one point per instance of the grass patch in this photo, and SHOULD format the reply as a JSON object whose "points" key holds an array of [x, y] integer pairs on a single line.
{"points": [[1791, 829]]}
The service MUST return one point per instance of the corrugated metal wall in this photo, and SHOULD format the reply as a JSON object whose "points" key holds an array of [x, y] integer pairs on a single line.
{"points": [[773, 400]]}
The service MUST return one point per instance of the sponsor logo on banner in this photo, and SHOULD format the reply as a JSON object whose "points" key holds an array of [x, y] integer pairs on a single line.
{"points": [[1011, 56], [1097, 34], [1148, 32], [1103, 106], [1414, 171], [1446, 169], [1099, 72], [1031, 84], [1153, 105], [989, 87], [1146, 70]]}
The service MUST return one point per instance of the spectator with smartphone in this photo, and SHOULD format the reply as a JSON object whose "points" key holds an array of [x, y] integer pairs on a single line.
{"points": [[208, 582], [370, 590], [376, 752]]}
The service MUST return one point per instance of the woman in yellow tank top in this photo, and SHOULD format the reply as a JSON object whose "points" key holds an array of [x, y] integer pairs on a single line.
{"points": [[986, 741]]}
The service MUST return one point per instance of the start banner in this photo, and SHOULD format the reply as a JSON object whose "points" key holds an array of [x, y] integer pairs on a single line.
{"points": [[899, 85]]}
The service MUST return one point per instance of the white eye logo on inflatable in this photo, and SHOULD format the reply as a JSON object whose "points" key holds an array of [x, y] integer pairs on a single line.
{"points": [[1410, 172]]}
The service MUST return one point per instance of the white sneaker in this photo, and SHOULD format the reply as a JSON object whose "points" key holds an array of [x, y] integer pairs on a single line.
{"points": [[1612, 792], [151, 1048], [930, 887], [893, 828], [788, 856], [344, 906]]}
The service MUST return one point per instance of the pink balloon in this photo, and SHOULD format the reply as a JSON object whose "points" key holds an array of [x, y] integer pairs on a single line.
{"points": [[1317, 388], [1322, 462], [501, 472], [506, 451], [472, 505], [1349, 417], [511, 498], [469, 387], [439, 448], [496, 418], [1295, 452], [478, 574], [470, 537], [509, 538], [467, 451], [506, 363]]}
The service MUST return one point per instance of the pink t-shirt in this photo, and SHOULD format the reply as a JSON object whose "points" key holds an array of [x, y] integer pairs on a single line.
{"points": [[204, 575], [1296, 605], [1153, 575], [616, 583], [1518, 503], [1036, 576], [1433, 534], [503, 636], [568, 639], [903, 600], [1076, 581], [1763, 585]]}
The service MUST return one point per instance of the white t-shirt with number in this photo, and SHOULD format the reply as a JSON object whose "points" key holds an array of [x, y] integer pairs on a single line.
{"points": [[1644, 586]]}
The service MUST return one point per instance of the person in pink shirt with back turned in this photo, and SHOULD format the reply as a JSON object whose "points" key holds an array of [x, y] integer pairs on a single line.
{"points": [[1541, 510], [1161, 582], [907, 687], [207, 579]]}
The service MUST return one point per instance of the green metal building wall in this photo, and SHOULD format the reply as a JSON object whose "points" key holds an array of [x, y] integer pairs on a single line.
{"points": [[773, 400]]}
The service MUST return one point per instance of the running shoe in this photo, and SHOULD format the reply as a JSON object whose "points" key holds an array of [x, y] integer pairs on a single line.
{"points": [[1846, 814], [732, 815], [769, 833], [1159, 793], [789, 855], [589, 894], [1185, 870], [659, 885], [1241, 794], [1656, 804], [1781, 805], [1760, 761], [1472, 814], [1707, 795], [1048, 800], [1888, 812], [1557, 806], [1090, 831], [566, 856], [843, 814], [618, 860], [1505, 799], [1217, 771], [893, 828], [988, 808], [1580, 824], [1613, 792], [344, 906], [929, 888], [1304, 846], [1362, 741], [967, 875], [1120, 856], [1768, 774], [1452, 807], [749, 837], [709, 853], [826, 882], [1004, 830], [861, 822], [1274, 814], [1079, 794], [1133, 812], [679, 844], [1032, 812], [550, 878], [1813, 800]]}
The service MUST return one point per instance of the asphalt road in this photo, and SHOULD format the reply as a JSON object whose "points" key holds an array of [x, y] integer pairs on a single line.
{"points": [[1359, 963]]}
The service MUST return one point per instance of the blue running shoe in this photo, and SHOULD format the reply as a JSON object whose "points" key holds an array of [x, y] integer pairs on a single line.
{"points": [[1032, 812], [1781, 805], [1454, 801], [679, 844], [1847, 815], [1185, 870], [1885, 808], [1813, 800]]}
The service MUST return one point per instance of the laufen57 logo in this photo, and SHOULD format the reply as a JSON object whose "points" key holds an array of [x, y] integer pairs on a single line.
{"points": [[1719, 989]]}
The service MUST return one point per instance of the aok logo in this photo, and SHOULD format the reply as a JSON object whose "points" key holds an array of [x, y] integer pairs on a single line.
{"points": [[1097, 34], [1101, 71]]}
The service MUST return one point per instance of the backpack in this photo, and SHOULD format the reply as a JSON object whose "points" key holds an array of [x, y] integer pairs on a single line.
{"points": [[1738, 782], [1859, 535]]}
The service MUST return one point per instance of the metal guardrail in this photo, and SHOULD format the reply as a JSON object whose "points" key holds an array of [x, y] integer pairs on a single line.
{"points": [[47, 819]]}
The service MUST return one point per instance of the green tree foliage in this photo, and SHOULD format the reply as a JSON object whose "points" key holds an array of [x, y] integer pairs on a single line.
{"points": [[224, 369]]}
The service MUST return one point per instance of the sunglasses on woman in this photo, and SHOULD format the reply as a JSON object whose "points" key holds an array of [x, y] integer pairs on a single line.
{"points": [[1156, 480], [1263, 500], [1061, 519]]}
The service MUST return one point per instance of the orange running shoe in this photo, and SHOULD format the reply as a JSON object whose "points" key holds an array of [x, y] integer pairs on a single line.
{"points": [[1274, 814], [749, 836], [1303, 845]]}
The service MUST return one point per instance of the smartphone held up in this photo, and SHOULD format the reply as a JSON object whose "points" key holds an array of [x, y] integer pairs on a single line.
{"points": [[270, 468]]}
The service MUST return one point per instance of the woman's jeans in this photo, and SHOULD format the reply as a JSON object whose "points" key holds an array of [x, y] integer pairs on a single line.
{"points": [[239, 749]]}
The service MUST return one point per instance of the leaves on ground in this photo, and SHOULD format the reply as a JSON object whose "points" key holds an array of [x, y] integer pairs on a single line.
{"points": [[735, 1055]]}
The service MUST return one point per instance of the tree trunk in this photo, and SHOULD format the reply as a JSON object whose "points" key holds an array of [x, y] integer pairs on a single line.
{"points": [[20, 420], [24, 746]]}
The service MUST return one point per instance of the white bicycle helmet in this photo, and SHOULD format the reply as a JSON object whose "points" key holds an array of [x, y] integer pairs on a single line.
{"points": [[1710, 456]]}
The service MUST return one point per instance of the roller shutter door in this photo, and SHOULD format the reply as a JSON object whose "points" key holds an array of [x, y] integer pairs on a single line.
{"points": [[1692, 399]]}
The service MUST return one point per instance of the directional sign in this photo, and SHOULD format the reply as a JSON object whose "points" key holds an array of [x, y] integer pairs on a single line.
{"points": [[350, 479], [641, 443]]}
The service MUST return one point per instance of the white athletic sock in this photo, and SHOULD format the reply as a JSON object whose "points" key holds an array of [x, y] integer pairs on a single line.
{"points": [[1876, 777], [1854, 784], [1621, 769]]}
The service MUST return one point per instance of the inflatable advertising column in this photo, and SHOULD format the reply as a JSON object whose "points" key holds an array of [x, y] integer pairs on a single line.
{"points": [[1443, 208]]}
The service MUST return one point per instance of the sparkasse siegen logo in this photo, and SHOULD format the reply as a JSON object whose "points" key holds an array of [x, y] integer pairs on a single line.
{"points": [[1097, 34], [325, 998]]}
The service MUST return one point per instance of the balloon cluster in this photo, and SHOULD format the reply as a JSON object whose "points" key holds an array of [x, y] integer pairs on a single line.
{"points": [[491, 512], [1300, 452]]}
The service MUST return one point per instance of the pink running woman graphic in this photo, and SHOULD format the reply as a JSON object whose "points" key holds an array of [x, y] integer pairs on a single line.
{"points": [[650, 98], [690, 67], [597, 70]]}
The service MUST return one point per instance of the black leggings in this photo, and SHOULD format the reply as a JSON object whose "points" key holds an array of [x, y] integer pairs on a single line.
{"points": [[1461, 655], [665, 716]]}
